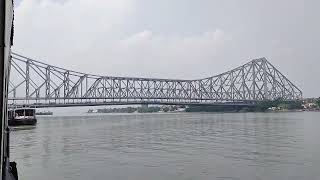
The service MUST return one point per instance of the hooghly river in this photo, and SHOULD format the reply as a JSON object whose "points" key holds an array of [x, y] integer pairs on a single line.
{"points": [[195, 146]]}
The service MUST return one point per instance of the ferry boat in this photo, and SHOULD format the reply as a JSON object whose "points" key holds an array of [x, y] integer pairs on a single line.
{"points": [[22, 116]]}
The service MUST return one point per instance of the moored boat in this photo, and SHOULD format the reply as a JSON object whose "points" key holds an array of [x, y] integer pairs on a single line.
{"points": [[44, 113], [21, 117]]}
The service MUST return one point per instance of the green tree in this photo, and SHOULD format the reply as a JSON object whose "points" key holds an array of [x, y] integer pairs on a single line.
{"points": [[165, 109], [264, 105], [318, 102]]}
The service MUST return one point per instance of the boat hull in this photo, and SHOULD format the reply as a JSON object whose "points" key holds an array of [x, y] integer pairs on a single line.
{"points": [[22, 122]]}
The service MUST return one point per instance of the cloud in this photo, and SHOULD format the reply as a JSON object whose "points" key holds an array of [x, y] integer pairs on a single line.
{"points": [[176, 57], [143, 38], [47, 28], [91, 36]]}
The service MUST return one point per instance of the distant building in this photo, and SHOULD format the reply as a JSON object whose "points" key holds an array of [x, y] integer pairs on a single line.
{"points": [[309, 105]]}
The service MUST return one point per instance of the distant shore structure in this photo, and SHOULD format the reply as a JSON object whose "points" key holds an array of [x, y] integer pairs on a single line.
{"points": [[44, 113]]}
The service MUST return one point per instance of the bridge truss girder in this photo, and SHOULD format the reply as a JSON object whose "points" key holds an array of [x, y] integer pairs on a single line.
{"points": [[37, 83]]}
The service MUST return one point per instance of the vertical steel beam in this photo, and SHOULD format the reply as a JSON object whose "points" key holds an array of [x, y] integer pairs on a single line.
{"points": [[48, 80], [27, 79], [232, 95], [254, 79], [200, 89], [265, 82], [86, 85], [243, 83], [66, 83]]}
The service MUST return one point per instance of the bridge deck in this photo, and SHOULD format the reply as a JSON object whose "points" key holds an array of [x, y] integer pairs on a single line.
{"points": [[129, 103]]}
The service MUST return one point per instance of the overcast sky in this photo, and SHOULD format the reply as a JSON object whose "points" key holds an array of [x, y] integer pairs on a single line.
{"points": [[172, 38]]}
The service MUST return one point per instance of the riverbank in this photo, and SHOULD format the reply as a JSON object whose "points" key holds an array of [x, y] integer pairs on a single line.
{"points": [[277, 105], [143, 109]]}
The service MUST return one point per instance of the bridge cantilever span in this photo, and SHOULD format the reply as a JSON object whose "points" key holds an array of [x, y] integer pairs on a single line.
{"points": [[39, 84]]}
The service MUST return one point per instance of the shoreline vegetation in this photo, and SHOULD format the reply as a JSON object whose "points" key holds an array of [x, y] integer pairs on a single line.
{"points": [[263, 106], [277, 105], [143, 109]]}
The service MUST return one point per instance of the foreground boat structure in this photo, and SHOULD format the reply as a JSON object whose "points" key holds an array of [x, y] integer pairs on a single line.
{"points": [[8, 170]]}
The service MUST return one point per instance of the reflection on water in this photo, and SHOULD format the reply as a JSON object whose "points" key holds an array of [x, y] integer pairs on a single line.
{"points": [[170, 146]]}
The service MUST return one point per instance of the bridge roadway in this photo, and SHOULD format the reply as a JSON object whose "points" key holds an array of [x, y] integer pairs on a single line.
{"points": [[37, 84], [48, 105]]}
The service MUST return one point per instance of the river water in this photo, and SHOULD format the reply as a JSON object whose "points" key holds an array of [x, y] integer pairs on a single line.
{"points": [[195, 146]]}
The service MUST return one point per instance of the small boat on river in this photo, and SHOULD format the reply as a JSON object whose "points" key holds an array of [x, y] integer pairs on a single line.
{"points": [[22, 117], [44, 113]]}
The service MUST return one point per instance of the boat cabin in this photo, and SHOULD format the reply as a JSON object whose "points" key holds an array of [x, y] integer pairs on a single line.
{"points": [[22, 113], [22, 116]]}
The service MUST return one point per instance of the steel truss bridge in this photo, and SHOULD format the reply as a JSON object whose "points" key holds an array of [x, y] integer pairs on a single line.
{"points": [[38, 84]]}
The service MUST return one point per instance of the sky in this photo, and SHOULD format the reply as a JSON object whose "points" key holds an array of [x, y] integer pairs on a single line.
{"points": [[182, 39]]}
